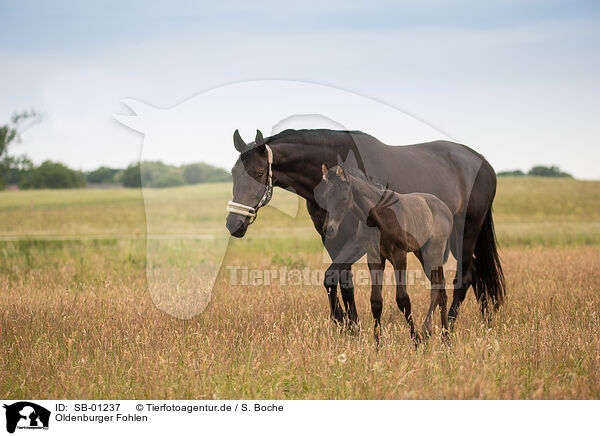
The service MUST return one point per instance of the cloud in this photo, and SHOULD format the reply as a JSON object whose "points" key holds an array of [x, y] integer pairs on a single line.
{"points": [[512, 88]]}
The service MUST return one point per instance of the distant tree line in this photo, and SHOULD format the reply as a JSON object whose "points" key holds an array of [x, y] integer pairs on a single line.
{"points": [[20, 171], [159, 175], [537, 171]]}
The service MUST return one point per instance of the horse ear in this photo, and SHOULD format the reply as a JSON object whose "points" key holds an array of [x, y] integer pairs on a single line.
{"points": [[340, 173], [259, 138], [325, 176], [238, 142]]}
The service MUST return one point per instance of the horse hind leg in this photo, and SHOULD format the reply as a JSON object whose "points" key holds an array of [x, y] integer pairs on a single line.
{"points": [[479, 291], [465, 239], [443, 301], [464, 275]]}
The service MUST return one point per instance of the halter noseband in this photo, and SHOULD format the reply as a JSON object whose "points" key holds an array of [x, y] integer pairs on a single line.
{"points": [[242, 209]]}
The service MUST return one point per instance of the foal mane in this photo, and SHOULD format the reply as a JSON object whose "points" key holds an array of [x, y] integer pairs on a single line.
{"points": [[388, 197], [386, 200], [365, 178]]}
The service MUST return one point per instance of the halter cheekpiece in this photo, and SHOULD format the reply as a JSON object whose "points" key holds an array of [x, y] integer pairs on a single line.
{"points": [[242, 209]]}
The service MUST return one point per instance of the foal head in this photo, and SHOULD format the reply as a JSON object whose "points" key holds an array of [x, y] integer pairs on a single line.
{"points": [[336, 197]]}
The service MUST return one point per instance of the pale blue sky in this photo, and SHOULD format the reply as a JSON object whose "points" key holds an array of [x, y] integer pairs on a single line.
{"points": [[517, 80]]}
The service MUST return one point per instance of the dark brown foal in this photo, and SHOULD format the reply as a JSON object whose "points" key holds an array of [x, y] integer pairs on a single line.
{"points": [[392, 225]]}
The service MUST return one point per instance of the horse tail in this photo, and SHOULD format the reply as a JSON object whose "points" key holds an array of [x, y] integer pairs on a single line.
{"points": [[490, 277]]}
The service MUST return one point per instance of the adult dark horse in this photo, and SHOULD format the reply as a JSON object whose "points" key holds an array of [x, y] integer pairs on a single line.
{"points": [[457, 175]]}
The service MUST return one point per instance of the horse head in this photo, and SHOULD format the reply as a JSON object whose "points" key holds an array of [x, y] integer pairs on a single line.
{"points": [[252, 183]]}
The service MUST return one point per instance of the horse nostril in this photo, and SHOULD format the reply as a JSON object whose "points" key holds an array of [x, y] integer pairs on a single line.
{"points": [[238, 232], [236, 227]]}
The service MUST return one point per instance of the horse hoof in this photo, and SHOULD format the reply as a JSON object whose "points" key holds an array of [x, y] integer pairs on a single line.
{"points": [[445, 337], [353, 329]]}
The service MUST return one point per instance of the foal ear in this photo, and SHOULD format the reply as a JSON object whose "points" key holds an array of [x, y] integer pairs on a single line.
{"points": [[259, 138], [238, 142], [340, 173], [325, 170]]}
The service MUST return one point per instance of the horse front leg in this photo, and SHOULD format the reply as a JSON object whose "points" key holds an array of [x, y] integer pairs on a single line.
{"points": [[330, 283], [344, 250], [331, 278], [347, 291]]}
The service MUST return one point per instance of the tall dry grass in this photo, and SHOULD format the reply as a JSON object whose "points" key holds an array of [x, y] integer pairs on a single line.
{"points": [[76, 319]]}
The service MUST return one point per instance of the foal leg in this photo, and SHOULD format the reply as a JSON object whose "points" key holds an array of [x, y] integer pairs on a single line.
{"points": [[376, 268], [435, 299], [402, 298], [433, 258]]}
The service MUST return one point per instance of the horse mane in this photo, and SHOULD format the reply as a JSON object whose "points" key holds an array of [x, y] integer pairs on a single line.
{"points": [[314, 136]]}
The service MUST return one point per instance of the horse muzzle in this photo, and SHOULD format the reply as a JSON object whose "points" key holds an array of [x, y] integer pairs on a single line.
{"points": [[237, 225], [330, 231]]}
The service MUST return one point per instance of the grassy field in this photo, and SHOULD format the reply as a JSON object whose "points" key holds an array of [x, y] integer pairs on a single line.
{"points": [[78, 317]]}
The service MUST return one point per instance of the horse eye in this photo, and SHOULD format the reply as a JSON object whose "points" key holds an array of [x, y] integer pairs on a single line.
{"points": [[260, 173]]}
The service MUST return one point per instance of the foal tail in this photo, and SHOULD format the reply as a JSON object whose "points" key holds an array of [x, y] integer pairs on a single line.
{"points": [[489, 278]]}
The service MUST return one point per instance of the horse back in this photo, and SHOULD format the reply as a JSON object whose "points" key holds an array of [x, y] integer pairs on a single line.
{"points": [[442, 168]]}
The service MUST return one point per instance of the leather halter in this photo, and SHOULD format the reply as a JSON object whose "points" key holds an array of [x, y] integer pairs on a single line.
{"points": [[242, 209]]}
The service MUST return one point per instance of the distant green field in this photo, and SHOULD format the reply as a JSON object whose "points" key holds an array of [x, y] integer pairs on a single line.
{"points": [[527, 211], [78, 318], [547, 212]]}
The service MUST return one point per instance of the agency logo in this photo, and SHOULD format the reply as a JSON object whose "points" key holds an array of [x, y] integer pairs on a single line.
{"points": [[26, 415]]}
